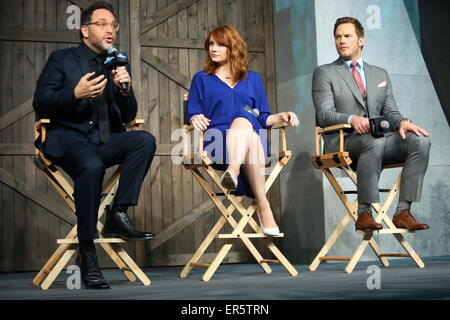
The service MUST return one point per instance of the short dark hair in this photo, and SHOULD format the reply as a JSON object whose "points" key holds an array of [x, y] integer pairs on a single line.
{"points": [[358, 26], [86, 16]]}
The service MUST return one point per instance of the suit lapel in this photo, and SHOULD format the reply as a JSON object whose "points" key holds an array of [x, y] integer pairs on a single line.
{"points": [[348, 78], [83, 62], [82, 59], [370, 89]]}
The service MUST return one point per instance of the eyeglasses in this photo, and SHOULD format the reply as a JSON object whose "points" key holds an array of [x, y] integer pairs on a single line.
{"points": [[102, 25]]}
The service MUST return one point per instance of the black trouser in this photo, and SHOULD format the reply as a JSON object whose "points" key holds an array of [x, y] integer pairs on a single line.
{"points": [[86, 163]]}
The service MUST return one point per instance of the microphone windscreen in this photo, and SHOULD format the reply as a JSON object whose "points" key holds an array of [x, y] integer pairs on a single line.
{"points": [[384, 125], [112, 50]]}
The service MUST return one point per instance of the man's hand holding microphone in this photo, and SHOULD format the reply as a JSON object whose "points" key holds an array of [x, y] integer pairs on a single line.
{"points": [[91, 88]]}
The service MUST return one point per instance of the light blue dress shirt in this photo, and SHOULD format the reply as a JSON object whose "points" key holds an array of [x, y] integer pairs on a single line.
{"points": [[360, 69]]}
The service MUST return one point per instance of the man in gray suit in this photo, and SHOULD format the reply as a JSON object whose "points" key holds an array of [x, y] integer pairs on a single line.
{"points": [[352, 91]]}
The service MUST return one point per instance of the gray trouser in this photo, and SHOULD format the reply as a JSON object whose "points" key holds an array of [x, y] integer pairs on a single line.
{"points": [[371, 153]]}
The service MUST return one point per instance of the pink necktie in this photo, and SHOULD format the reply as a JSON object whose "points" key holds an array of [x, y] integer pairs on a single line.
{"points": [[358, 78]]}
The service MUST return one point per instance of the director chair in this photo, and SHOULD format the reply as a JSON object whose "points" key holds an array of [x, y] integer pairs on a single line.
{"points": [[199, 161], [68, 246], [342, 161]]}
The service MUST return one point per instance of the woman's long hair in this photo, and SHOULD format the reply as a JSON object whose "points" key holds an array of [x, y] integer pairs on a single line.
{"points": [[237, 48]]}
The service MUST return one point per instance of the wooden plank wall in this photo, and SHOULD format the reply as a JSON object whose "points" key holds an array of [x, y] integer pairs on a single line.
{"points": [[164, 39]]}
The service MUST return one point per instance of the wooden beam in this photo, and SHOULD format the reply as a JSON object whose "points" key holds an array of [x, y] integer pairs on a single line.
{"points": [[40, 199], [166, 42], [22, 35], [164, 150], [69, 36], [166, 69], [16, 113], [135, 50], [270, 57], [27, 149], [176, 227], [184, 43], [22, 149], [165, 14]]}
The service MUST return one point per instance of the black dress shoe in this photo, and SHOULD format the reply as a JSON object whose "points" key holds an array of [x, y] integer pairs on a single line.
{"points": [[118, 225], [91, 276]]}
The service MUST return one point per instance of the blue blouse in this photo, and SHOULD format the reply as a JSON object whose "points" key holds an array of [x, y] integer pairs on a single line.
{"points": [[220, 103]]}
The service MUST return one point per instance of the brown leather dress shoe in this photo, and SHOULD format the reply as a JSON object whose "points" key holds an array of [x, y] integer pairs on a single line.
{"points": [[405, 220], [366, 222]]}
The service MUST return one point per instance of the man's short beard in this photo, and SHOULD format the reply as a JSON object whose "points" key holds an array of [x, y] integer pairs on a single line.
{"points": [[100, 46]]}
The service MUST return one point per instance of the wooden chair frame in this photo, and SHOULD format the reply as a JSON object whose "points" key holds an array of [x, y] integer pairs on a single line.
{"points": [[68, 246], [342, 160], [194, 161]]}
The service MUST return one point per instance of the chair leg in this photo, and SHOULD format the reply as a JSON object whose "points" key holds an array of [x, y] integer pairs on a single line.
{"points": [[227, 216], [277, 253], [118, 261], [58, 267], [131, 264], [358, 253], [64, 252], [238, 227], [218, 260], [246, 218], [410, 250], [351, 215], [330, 242], [203, 246], [53, 260], [378, 252], [258, 257]]}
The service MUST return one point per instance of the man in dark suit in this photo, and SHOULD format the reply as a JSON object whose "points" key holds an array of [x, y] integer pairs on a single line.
{"points": [[87, 106], [352, 91]]}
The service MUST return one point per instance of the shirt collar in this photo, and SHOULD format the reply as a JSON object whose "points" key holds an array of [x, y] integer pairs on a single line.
{"points": [[359, 66], [91, 54]]}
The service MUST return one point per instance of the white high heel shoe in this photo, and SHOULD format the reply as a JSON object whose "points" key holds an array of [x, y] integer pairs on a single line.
{"points": [[268, 231], [229, 181]]}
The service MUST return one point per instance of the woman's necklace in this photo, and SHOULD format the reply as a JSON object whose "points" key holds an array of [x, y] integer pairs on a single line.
{"points": [[227, 78]]}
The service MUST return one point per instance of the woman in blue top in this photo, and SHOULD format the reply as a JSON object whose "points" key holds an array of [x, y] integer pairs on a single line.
{"points": [[229, 102]]}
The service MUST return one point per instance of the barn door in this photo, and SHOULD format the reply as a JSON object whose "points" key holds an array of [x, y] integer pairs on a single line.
{"points": [[168, 46], [164, 39]]}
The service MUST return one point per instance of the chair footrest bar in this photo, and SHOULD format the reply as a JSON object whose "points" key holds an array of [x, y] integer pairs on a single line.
{"points": [[335, 258], [270, 261], [356, 192], [197, 264], [403, 255], [247, 235], [102, 240], [386, 231]]}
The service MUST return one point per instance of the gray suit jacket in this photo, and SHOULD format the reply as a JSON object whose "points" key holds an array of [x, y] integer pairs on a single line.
{"points": [[336, 96]]}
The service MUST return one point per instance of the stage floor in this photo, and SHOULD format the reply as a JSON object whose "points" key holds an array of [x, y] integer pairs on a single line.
{"points": [[402, 280]]}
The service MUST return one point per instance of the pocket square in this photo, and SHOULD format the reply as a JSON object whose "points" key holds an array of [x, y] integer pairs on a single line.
{"points": [[382, 84]]}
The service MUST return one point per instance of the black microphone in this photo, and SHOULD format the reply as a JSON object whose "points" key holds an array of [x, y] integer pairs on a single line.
{"points": [[114, 60], [378, 126]]}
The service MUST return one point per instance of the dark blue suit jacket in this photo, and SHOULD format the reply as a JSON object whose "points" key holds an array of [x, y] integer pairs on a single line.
{"points": [[69, 118]]}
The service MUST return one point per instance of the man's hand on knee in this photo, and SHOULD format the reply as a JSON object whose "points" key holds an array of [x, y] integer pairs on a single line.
{"points": [[406, 126]]}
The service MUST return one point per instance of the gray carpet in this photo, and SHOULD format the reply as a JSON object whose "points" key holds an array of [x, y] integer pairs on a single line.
{"points": [[402, 280]]}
